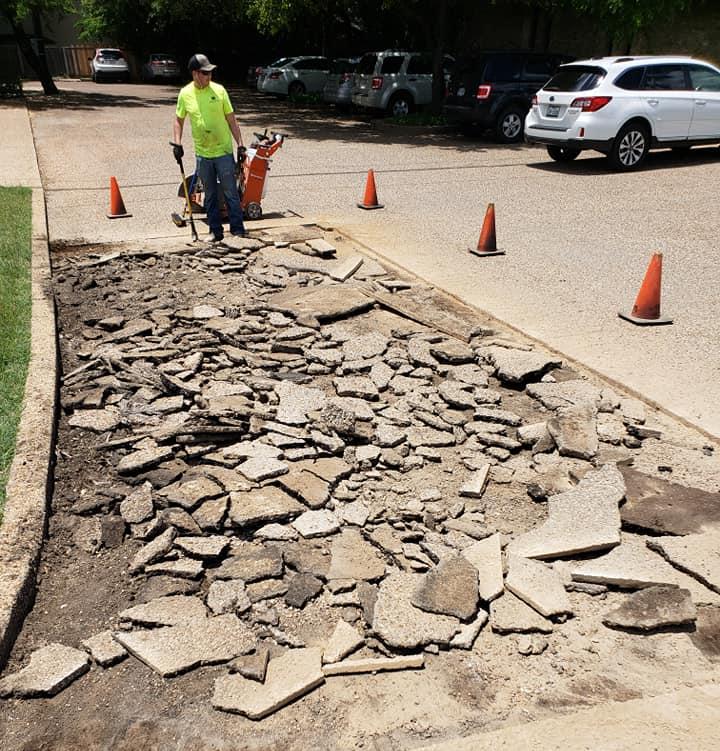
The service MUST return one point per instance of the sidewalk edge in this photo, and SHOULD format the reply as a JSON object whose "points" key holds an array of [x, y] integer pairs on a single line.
{"points": [[29, 483]]}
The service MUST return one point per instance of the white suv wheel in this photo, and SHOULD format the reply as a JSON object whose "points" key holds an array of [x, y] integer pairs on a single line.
{"points": [[630, 147]]}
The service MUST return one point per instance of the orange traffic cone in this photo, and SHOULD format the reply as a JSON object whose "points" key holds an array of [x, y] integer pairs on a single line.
{"points": [[370, 200], [487, 244], [646, 311], [117, 207]]}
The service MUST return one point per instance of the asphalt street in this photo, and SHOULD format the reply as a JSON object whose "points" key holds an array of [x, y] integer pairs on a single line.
{"points": [[577, 237]]}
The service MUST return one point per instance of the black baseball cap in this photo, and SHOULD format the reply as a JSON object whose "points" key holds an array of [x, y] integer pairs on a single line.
{"points": [[200, 62]]}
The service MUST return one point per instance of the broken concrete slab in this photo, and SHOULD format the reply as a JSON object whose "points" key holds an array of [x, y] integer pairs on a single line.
{"points": [[262, 505], [143, 459], [449, 589], [252, 666], [317, 523], [509, 614], [574, 430], [325, 302], [173, 650], [296, 401], [228, 596], [185, 568], [696, 555], [475, 486], [210, 547], [251, 562], [50, 670], [514, 367], [465, 638], [486, 557], [165, 611], [260, 469], [344, 640], [667, 508], [653, 608], [154, 550], [189, 493], [288, 677], [537, 585], [374, 665], [584, 519], [353, 557], [104, 650], [301, 588], [401, 625], [97, 420], [564, 394], [632, 565], [138, 506]]}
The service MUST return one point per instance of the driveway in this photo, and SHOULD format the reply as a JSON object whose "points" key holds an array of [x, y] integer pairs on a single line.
{"points": [[578, 238]]}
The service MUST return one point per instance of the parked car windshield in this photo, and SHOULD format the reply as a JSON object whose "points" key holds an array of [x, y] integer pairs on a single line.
{"points": [[162, 57], [367, 64], [282, 61], [342, 66], [575, 78], [111, 54]]}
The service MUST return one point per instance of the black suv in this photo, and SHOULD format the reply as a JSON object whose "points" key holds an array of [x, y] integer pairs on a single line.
{"points": [[494, 90]]}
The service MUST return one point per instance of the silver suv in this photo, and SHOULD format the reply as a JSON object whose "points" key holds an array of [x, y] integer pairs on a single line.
{"points": [[394, 81]]}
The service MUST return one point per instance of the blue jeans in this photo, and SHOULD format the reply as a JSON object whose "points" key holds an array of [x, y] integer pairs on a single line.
{"points": [[219, 173]]}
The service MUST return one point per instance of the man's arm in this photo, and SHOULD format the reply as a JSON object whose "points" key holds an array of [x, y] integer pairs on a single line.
{"points": [[234, 128], [178, 129]]}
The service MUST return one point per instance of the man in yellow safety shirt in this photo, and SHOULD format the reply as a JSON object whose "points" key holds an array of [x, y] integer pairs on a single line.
{"points": [[214, 127]]}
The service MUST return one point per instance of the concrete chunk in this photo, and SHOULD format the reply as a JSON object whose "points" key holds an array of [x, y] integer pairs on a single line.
{"points": [[353, 557], [653, 608], [50, 670], [450, 589], [574, 431], [509, 614], [584, 519], [375, 665], [104, 649], [696, 555], [176, 649], [537, 585], [344, 640], [288, 677], [317, 523], [165, 611], [486, 557], [475, 486]]}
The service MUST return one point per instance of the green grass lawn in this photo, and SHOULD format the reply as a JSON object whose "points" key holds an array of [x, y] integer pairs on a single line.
{"points": [[15, 306]]}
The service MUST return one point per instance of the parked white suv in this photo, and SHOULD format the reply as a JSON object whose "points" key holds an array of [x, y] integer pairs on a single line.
{"points": [[624, 106], [394, 81]]}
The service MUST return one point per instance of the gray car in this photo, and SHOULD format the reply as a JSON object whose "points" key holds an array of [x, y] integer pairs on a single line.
{"points": [[160, 66], [395, 81], [339, 83]]}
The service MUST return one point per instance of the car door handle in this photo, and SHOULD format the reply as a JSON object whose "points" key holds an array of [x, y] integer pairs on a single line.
{"points": [[653, 102], [700, 102]]}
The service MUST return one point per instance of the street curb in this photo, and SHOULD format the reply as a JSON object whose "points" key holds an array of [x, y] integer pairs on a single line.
{"points": [[29, 484]]}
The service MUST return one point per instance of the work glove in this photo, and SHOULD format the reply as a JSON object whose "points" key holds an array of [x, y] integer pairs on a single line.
{"points": [[178, 151], [241, 153]]}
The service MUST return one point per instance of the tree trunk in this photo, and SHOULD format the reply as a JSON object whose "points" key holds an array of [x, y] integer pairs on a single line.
{"points": [[438, 81], [37, 62], [546, 30]]}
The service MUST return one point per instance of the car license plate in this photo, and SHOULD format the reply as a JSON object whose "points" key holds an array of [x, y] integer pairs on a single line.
{"points": [[461, 91], [553, 110]]}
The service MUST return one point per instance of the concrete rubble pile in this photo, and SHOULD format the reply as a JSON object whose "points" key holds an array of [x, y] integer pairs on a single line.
{"points": [[300, 446]]}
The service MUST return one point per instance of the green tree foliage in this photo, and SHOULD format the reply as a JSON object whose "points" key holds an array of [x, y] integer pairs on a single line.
{"points": [[16, 12]]}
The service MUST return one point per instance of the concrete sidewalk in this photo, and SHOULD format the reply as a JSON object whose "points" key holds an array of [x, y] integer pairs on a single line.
{"points": [[685, 719], [18, 162]]}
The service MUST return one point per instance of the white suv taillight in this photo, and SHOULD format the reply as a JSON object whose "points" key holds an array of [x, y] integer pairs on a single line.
{"points": [[590, 103], [483, 91], [534, 101], [377, 82]]}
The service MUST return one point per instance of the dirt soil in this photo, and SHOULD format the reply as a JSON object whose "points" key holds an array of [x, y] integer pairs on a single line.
{"points": [[83, 587]]}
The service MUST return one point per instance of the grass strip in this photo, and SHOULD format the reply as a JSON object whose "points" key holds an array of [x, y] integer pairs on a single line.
{"points": [[15, 310]]}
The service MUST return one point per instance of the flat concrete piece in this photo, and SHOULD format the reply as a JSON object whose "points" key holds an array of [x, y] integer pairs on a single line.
{"points": [[344, 640], [296, 401], [449, 589], [325, 302], [486, 557], [633, 565], [509, 614], [696, 555], [400, 624], [660, 507], [574, 430], [176, 649], [557, 395], [262, 505], [584, 519], [259, 469], [97, 420], [654, 608], [375, 665], [251, 563], [475, 486], [165, 611], [288, 677], [104, 649], [515, 367], [228, 596], [353, 557], [138, 506], [210, 547], [51, 669], [469, 632], [317, 523], [190, 493], [537, 585], [161, 545]]}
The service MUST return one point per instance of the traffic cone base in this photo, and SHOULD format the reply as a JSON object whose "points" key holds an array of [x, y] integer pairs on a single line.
{"points": [[117, 206], [370, 200], [485, 253], [646, 311]]}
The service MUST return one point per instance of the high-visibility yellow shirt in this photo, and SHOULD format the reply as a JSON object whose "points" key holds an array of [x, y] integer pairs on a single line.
{"points": [[206, 109]]}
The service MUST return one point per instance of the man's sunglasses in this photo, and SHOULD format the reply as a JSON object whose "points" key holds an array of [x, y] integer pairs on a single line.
{"points": [[205, 72]]}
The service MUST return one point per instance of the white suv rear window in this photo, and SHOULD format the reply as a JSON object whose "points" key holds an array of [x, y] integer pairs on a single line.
{"points": [[576, 78]]}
